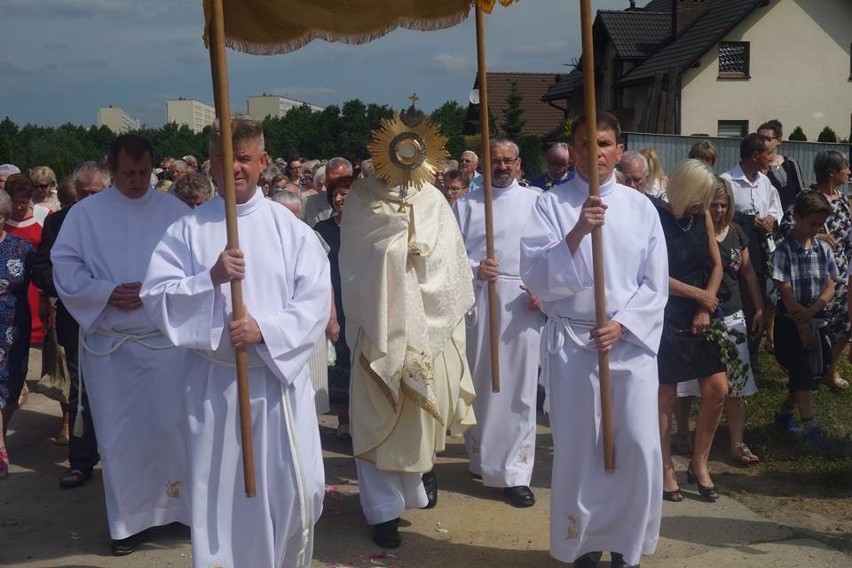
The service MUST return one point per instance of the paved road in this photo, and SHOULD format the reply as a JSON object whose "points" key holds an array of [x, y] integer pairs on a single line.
{"points": [[42, 526]]}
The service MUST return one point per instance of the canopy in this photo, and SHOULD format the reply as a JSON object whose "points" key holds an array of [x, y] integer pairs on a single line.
{"points": [[266, 27]]}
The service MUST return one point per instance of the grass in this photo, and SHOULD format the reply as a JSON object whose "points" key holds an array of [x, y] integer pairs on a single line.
{"points": [[785, 458]]}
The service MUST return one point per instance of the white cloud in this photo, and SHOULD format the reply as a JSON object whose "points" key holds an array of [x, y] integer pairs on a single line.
{"points": [[450, 64]]}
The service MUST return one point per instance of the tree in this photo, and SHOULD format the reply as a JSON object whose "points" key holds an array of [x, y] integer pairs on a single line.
{"points": [[8, 139], [827, 135], [798, 135], [449, 117], [354, 130], [513, 117]]}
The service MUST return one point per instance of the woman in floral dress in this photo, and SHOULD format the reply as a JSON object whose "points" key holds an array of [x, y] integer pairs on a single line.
{"points": [[16, 257]]}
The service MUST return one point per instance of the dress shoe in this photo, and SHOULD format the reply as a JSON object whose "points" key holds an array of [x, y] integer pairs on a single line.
{"points": [[127, 545], [74, 478], [386, 534], [519, 496], [588, 560], [618, 562], [430, 484]]}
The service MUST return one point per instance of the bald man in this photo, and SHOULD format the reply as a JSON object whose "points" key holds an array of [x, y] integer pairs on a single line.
{"points": [[557, 158]]}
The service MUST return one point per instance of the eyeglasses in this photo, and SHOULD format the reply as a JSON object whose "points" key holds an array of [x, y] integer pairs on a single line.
{"points": [[504, 161], [455, 189], [636, 180], [42, 185]]}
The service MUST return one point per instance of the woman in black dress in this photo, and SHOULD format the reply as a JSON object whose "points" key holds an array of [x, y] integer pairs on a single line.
{"points": [[695, 272]]}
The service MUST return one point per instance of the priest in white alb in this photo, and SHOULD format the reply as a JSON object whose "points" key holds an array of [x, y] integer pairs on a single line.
{"points": [[287, 294], [132, 371], [406, 287], [501, 446], [593, 511]]}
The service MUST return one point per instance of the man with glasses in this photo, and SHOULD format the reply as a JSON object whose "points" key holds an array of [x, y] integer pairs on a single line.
{"points": [[784, 173], [501, 447], [455, 186], [294, 171], [635, 168]]}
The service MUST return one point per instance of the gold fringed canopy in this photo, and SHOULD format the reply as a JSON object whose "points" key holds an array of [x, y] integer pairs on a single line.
{"points": [[266, 27]]}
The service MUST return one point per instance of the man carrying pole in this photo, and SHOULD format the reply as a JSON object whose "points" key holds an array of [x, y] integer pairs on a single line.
{"points": [[591, 511], [287, 290]]}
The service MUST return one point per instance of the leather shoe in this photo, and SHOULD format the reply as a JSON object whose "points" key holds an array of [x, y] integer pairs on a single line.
{"points": [[430, 484], [127, 545], [519, 496], [386, 534], [618, 562], [74, 478], [588, 560]]}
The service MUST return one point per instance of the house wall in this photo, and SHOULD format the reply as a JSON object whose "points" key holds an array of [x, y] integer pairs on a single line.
{"points": [[799, 67]]}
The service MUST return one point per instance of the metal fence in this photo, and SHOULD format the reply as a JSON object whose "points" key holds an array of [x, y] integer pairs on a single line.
{"points": [[673, 149]]}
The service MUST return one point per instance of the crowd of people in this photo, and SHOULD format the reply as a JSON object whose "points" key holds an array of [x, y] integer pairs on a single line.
{"points": [[127, 293]]}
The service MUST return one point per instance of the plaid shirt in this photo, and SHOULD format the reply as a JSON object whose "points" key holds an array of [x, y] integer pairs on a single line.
{"points": [[806, 269]]}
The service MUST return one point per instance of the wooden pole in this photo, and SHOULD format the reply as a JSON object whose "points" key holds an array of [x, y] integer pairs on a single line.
{"points": [[222, 98], [597, 236], [493, 307]]}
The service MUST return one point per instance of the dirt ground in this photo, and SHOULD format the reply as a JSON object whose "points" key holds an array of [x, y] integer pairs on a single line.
{"points": [[42, 526]]}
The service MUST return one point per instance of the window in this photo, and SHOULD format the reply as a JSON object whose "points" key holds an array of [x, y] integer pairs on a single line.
{"points": [[733, 60], [732, 128]]}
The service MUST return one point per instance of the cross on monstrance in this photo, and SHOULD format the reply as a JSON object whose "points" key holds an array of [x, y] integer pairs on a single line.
{"points": [[413, 98]]}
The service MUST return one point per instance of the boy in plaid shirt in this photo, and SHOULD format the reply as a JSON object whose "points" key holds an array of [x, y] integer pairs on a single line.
{"points": [[804, 271]]}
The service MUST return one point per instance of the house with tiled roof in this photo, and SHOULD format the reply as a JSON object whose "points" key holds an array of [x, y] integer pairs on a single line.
{"points": [[721, 67], [541, 117]]}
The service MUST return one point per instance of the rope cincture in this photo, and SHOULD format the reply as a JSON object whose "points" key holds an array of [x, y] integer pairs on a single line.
{"points": [[78, 428]]}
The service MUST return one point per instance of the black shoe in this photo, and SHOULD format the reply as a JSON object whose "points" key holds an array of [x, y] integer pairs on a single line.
{"points": [[127, 545], [519, 496], [618, 562], [74, 478], [386, 534], [588, 560], [475, 476], [430, 484]]}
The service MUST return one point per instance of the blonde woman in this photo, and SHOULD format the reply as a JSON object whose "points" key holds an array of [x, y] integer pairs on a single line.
{"points": [[695, 272], [657, 180], [736, 268], [44, 192]]}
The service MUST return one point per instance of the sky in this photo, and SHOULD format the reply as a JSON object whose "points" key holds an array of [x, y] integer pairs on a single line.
{"points": [[60, 60]]}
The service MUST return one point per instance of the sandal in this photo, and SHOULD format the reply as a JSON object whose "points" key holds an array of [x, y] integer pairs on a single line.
{"points": [[708, 492], [743, 455], [836, 383], [4, 464], [675, 496]]}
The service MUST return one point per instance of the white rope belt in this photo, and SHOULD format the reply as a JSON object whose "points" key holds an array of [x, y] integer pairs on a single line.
{"points": [[223, 363], [77, 429], [558, 327], [122, 339]]}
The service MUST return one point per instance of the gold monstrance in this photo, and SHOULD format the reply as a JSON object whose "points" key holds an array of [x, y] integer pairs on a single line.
{"points": [[406, 150]]}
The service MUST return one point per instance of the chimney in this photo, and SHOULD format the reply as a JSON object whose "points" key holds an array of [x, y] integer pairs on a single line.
{"points": [[684, 13]]}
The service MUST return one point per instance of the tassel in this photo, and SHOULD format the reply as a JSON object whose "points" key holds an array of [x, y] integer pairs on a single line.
{"points": [[78, 424]]}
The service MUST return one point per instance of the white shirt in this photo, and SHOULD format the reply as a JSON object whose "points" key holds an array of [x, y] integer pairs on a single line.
{"points": [[759, 198]]}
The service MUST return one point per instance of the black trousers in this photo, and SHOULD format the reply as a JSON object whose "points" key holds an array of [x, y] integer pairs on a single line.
{"points": [[82, 451]]}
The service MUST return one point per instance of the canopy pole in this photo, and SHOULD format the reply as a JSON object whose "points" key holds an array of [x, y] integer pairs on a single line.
{"points": [[493, 308], [607, 427], [222, 98]]}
